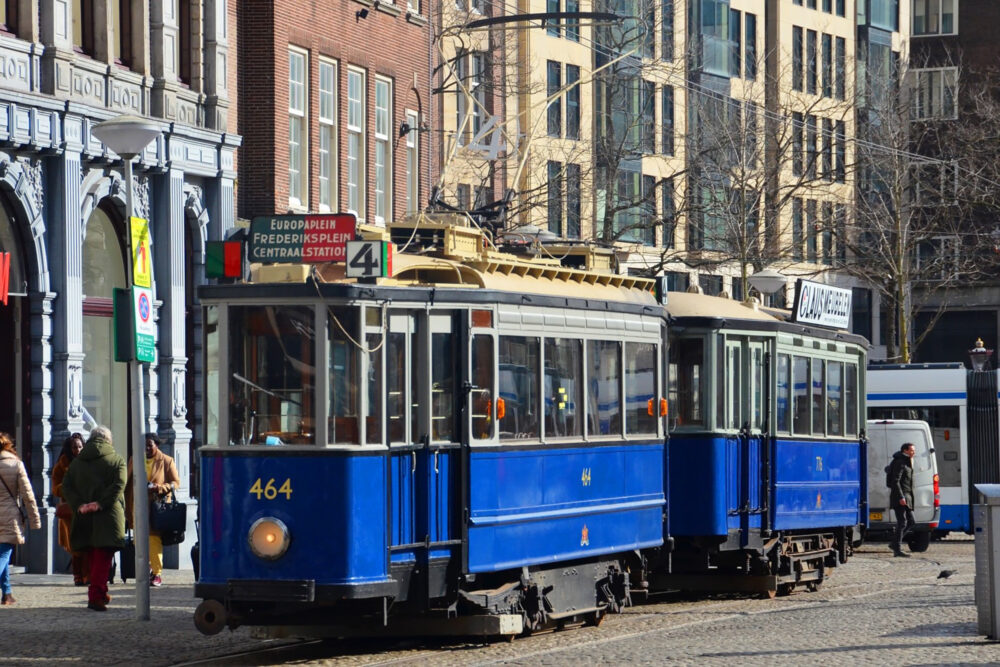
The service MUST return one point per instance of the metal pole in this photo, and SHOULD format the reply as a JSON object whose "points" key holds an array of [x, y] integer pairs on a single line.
{"points": [[140, 499]]}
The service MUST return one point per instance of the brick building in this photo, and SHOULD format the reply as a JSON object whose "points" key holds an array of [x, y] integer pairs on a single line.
{"points": [[326, 94]]}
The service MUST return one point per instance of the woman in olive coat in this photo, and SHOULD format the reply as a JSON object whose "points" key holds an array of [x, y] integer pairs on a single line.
{"points": [[94, 486]]}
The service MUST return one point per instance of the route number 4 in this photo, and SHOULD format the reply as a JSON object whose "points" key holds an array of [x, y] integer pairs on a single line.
{"points": [[369, 259]]}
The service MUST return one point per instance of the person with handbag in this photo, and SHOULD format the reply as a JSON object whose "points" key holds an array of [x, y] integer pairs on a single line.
{"points": [[14, 498], [94, 487], [70, 450], [162, 480]]}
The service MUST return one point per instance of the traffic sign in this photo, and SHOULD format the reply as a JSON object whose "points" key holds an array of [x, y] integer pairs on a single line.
{"points": [[142, 262], [369, 259], [145, 328], [301, 238]]}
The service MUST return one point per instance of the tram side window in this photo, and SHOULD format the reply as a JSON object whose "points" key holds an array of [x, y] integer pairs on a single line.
{"points": [[851, 399], [784, 396], [483, 366], [443, 386], [604, 388], [373, 420], [734, 384], [273, 375], [518, 359], [563, 388], [834, 405], [640, 389], [800, 395], [818, 401], [395, 386], [686, 395], [344, 375]]}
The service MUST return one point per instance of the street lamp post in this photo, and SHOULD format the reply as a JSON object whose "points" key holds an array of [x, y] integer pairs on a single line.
{"points": [[767, 281], [128, 136]]}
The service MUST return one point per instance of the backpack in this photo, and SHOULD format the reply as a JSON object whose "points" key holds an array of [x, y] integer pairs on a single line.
{"points": [[888, 475]]}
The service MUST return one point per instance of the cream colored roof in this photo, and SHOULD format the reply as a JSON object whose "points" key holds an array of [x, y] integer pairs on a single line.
{"points": [[689, 304]]}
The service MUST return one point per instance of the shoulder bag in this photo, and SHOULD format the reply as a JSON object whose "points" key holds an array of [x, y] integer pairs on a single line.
{"points": [[168, 516], [20, 510]]}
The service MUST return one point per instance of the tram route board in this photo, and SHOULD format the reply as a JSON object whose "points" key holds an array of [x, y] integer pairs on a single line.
{"points": [[301, 238]]}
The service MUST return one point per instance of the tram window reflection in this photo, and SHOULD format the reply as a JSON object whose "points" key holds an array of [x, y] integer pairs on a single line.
{"points": [[851, 399], [686, 393], [483, 408], [395, 385], [373, 420], [518, 359], [563, 387], [273, 372], [834, 404], [604, 388], [800, 395], [640, 389], [784, 395], [344, 374], [818, 400], [443, 386]]}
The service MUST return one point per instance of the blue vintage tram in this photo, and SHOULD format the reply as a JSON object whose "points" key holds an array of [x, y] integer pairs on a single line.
{"points": [[471, 444]]}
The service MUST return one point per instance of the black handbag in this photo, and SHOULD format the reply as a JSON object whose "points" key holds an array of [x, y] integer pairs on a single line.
{"points": [[168, 516]]}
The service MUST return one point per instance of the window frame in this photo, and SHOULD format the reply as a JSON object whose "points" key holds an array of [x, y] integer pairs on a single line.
{"points": [[358, 132], [327, 78], [383, 137], [298, 108]]}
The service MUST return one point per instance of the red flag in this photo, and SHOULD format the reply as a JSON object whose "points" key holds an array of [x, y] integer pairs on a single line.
{"points": [[4, 276]]}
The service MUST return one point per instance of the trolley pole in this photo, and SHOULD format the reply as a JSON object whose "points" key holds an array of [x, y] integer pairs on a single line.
{"points": [[128, 136]]}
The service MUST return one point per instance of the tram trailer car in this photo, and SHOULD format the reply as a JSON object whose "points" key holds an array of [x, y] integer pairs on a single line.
{"points": [[460, 448], [962, 409], [767, 475]]}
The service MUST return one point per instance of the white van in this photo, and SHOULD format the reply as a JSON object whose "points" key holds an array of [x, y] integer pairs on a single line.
{"points": [[885, 437]]}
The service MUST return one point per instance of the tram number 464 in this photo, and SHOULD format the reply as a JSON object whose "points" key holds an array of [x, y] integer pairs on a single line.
{"points": [[270, 491]]}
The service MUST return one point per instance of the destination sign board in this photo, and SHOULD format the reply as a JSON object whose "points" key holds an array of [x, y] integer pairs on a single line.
{"points": [[823, 305], [301, 238]]}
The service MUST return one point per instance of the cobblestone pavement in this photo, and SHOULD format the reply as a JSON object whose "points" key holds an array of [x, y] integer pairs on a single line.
{"points": [[874, 610]]}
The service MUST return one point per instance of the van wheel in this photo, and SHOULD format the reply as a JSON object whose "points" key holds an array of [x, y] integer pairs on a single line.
{"points": [[918, 542]]}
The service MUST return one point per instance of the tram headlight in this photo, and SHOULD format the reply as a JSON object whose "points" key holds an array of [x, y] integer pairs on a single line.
{"points": [[269, 538]]}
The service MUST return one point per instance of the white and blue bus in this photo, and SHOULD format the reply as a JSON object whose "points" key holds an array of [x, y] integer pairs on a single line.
{"points": [[961, 407]]}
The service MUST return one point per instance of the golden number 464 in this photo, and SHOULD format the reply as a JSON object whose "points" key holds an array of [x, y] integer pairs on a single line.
{"points": [[269, 491]]}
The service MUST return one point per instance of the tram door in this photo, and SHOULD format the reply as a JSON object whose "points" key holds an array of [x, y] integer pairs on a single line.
{"points": [[421, 354], [746, 395]]}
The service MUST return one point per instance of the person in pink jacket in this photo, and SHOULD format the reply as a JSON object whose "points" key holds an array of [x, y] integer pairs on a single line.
{"points": [[17, 505]]}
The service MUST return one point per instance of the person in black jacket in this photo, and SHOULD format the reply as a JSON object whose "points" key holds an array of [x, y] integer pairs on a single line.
{"points": [[901, 495]]}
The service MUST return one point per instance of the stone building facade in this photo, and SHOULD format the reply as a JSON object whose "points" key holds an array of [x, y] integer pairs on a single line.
{"points": [[64, 67]]}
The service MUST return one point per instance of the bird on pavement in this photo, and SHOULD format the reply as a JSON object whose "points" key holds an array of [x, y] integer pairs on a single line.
{"points": [[945, 574]]}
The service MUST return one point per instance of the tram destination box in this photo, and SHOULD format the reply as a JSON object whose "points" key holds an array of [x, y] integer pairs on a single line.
{"points": [[301, 238]]}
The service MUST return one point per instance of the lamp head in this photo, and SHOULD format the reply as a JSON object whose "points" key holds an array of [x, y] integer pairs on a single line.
{"points": [[127, 135]]}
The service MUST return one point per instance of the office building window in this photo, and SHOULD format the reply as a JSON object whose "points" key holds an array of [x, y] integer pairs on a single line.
{"points": [[477, 86], [677, 281], [811, 4], [554, 84], [573, 201], [552, 25], [827, 166], [840, 224], [811, 255], [827, 65], [796, 58], [412, 162], [648, 117], [356, 142], [811, 61], [555, 197], [841, 7], [828, 6], [383, 155], [934, 17], [750, 143], [327, 135], [797, 143], [710, 285], [934, 94], [827, 233], [840, 67], [668, 216], [298, 151], [83, 26], [667, 30], [750, 46], [811, 152], [735, 43], [797, 229], [667, 119], [461, 98], [463, 197], [572, 102], [840, 150], [573, 25]]}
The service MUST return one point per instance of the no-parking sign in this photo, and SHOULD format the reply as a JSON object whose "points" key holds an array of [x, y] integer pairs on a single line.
{"points": [[145, 329]]}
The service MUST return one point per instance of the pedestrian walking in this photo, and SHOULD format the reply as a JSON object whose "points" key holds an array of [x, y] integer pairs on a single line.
{"points": [[17, 506], [161, 482], [71, 448], [901, 495], [94, 486]]}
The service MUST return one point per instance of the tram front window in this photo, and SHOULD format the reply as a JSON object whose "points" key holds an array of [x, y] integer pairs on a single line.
{"points": [[272, 375], [686, 378]]}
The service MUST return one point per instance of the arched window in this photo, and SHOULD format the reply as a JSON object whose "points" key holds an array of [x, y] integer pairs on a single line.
{"points": [[105, 382]]}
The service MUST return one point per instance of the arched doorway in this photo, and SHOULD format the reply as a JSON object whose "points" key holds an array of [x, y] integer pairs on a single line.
{"points": [[105, 382], [15, 357]]}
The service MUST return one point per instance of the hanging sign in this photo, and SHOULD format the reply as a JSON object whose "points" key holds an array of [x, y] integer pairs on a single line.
{"points": [[301, 238], [822, 305], [145, 329], [142, 263]]}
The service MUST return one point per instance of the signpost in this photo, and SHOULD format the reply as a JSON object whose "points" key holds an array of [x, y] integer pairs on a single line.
{"points": [[301, 238]]}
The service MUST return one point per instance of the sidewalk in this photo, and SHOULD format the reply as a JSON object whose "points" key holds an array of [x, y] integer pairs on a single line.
{"points": [[50, 624]]}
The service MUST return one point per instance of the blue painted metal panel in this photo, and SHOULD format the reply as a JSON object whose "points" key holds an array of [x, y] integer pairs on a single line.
{"points": [[958, 515], [699, 485], [336, 515], [543, 505], [817, 484], [439, 502]]}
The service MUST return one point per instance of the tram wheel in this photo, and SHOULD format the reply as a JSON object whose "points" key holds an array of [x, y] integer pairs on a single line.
{"points": [[813, 586]]}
